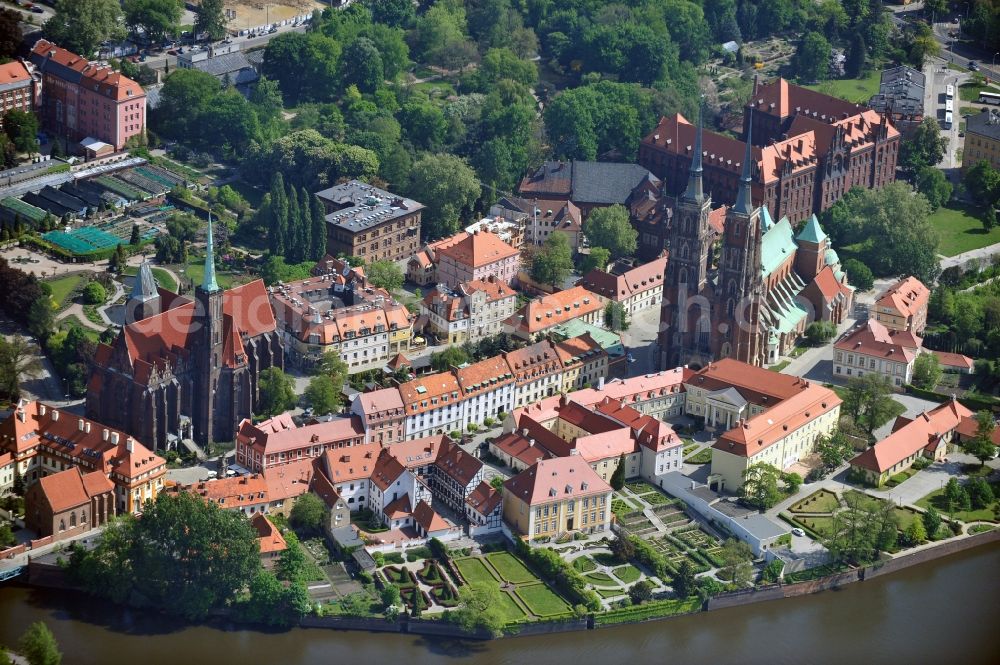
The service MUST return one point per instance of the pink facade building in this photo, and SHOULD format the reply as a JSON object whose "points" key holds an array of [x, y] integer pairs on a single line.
{"points": [[81, 99], [477, 256]]}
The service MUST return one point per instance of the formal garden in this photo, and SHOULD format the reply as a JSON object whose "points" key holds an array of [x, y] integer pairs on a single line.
{"points": [[523, 595]]}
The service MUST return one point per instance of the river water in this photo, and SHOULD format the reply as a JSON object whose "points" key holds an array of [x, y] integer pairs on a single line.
{"points": [[944, 611]]}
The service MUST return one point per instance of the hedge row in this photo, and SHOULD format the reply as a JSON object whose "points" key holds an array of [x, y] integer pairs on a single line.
{"points": [[974, 403], [652, 610], [566, 578], [648, 556]]}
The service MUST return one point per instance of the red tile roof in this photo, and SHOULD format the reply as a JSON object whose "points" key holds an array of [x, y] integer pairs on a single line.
{"points": [[756, 384], [556, 479], [874, 339], [907, 296], [556, 308], [484, 376], [521, 448], [922, 432], [70, 489], [429, 392], [231, 493], [13, 72], [955, 360], [108, 82], [269, 538], [429, 520], [484, 499], [280, 434], [478, 249]]}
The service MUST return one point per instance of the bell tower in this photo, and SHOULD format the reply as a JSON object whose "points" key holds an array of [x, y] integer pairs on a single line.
{"points": [[208, 353]]}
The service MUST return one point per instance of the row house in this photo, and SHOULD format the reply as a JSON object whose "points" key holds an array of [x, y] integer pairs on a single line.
{"points": [[44, 440], [278, 440], [583, 360], [465, 257], [273, 491], [636, 289], [903, 306], [433, 405], [382, 415], [872, 348], [488, 390], [537, 372], [484, 510], [541, 315], [472, 311]]}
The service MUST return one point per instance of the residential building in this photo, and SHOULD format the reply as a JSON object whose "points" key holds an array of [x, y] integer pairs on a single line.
{"points": [[539, 316], [269, 540], [982, 139], [382, 415], [278, 440], [756, 302], [225, 62], [547, 217], [537, 372], [903, 306], [634, 289], [433, 405], [17, 88], [583, 360], [371, 223], [246, 494], [7, 466], [610, 342], [68, 503], [516, 449], [422, 266], [955, 363], [780, 436], [927, 435], [190, 365], [556, 496], [871, 348], [474, 310], [901, 97], [488, 389], [364, 325], [81, 99], [809, 150], [477, 256], [44, 440], [484, 510], [661, 395], [587, 185]]}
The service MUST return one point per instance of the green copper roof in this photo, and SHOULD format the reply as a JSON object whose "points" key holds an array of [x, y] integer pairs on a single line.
{"points": [[611, 342], [777, 245], [765, 219], [831, 258], [812, 232], [208, 283]]}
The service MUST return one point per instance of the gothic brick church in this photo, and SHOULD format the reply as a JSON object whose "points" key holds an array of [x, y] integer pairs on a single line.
{"points": [[185, 367], [750, 291]]}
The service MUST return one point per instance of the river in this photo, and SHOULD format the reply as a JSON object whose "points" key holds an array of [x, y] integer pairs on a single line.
{"points": [[939, 612]]}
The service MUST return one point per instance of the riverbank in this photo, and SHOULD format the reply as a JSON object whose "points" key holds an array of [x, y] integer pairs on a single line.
{"points": [[933, 613], [52, 577]]}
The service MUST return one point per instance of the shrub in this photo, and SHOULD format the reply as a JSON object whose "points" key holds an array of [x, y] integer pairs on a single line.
{"points": [[566, 578], [94, 294], [772, 571]]}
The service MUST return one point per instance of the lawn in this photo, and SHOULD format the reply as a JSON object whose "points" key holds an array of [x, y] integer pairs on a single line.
{"points": [[584, 564], [780, 366], [511, 610], [703, 456], [63, 288], [853, 90], [162, 277], [627, 573], [475, 571], [541, 601], [961, 230], [904, 517], [820, 501], [936, 499], [969, 91], [609, 593], [599, 578], [510, 568], [867, 501], [195, 271], [820, 525]]}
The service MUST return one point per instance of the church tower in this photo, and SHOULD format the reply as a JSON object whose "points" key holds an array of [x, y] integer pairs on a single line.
{"points": [[740, 291], [144, 301], [208, 353], [689, 240]]}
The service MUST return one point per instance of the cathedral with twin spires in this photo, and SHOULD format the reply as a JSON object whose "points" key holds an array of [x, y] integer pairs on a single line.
{"points": [[749, 292], [182, 367]]}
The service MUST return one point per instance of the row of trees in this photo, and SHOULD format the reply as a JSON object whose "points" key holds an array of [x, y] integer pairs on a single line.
{"points": [[294, 222]]}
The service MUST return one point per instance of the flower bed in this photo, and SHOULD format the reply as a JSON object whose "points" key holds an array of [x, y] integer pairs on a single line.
{"points": [[431, 573], [584, 564], [627, 573]]}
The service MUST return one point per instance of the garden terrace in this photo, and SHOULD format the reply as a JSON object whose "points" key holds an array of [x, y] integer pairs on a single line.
{"points": [[399, 576], [523, 595], [819, 502]]}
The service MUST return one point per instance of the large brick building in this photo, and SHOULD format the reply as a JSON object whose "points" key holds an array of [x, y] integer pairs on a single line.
{"points": [[17, 88], [371, 223], [81, 99], [808, 150]]}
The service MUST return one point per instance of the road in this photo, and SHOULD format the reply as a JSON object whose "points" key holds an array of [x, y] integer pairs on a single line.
{"points": [[953, 51], [163, 60]]}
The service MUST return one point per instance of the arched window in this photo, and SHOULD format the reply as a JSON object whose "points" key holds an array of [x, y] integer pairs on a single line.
{"points": [[682, 277], [731, 307], [72, 519], [62, 525]]}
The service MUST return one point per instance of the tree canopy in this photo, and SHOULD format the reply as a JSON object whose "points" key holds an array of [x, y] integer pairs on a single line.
{"points": [[277, 394], [81, 25], [448, 186], [609, 227], [553, 263]]}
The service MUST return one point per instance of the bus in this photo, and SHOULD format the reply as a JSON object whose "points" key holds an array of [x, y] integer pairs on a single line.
{"points": [[947, 120], [950, 92], [949, 106], [989, 98]]}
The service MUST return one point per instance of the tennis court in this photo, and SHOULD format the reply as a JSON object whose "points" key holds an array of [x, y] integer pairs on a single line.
{"points": [[83, 241]]}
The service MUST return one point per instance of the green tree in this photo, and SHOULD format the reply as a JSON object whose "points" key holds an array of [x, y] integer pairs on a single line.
{"points": [[983, 182], [859, 275], [862, 529], [277, 225], [425, 124], [276, 393], [760, 485], [811, 61], [291, 565], [641, 592], [453, 356], [390, 595], [932, 522], [793, 482], [921, 44], [980, 492], [772, 571], [10, 32], [857, 55], [94, 294], [21, 127], [293, 232], [618, 477], [926, 371], [318, 229], [683, 581], [609, 227], [18, 358], [309, 513], [915, 533], [156, 18], [496, 482], [480, 609], [333, 366], [924, 149], [981, 445], [81, 25], [622, 549], [869, 402], [834, 449], [955, 496], [989, 219], [323, 395], [736, 563], [615, 317], [210, 18], [597, 259], [305, 65], [135, 238], [39, 646], [820, 332], [272, 603], [361, 65], [932, 183], [397, 13], [385, 275], [553, 263], [447, 185]]}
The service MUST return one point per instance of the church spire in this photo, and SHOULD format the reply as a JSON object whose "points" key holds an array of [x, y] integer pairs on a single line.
{"points": [[695, 191], [744, 204], [208, 282]]}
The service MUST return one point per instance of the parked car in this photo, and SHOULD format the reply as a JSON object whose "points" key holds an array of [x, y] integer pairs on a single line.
{"points": [[798, 532], [973, 65], [37, 10]]}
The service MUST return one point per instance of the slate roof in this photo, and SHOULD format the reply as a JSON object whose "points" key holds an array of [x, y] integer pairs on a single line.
{"points": [[985, 124], [234, 64], [607, 182]]}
